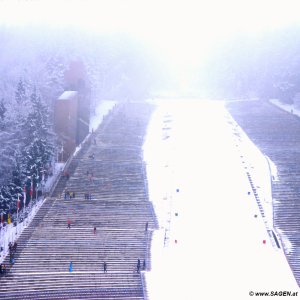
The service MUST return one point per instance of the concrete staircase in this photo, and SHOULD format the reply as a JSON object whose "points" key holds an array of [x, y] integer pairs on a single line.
{"points": [[119, 209]]}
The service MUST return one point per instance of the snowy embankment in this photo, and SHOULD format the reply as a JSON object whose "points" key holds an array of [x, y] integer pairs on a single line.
{"points": [[10, 233], [212, 241], [295, 111]]}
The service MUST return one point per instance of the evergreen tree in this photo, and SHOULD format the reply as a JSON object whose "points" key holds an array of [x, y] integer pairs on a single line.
{"points": [[38, 147], [5, 199], [9, 191], [20, 95], [2, 114], [2, 110], [18, 175]]}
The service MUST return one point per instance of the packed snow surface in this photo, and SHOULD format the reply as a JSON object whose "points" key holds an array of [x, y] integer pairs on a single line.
{"points": [[212, 242]]}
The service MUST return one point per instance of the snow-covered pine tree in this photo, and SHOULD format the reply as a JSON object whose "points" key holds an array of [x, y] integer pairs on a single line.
{"points": [[37, 138], [2, 114], [20, 93], [18, 176], [7, 156], [13, 178], [21, 103], [5, 199]]}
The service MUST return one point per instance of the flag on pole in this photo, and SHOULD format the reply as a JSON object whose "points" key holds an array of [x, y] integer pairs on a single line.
{"points": [[31, 189], [2, 219], [18, 202], [24, 195], [8, 219]]}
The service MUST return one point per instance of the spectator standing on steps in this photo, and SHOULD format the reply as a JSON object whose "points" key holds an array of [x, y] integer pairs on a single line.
{"points": [[4, 269], [95, 230], [138, 266], [14, 247], [71, 267], [146, 227], [69, 223], [144, 264], [104, 267]]}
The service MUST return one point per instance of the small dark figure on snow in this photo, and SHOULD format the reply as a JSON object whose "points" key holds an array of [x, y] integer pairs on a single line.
{"points": [[94, 230], [10, 247], [144, 264], [138, 266], [14, 247], [67, 175], [3, 269], [104, 267], [67, 195]]}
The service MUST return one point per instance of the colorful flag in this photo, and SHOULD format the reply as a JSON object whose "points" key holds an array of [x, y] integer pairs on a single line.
{"points": [[18, 202], [2, 219], [8, 219], [24, 195]]}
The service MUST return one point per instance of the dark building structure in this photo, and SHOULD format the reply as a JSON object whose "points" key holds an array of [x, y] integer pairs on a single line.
{"points": [[72, 110], [66, 122], [75, 79]]}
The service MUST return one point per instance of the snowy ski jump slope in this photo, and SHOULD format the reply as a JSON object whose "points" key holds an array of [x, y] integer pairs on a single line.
{"points": [[217, 247]]}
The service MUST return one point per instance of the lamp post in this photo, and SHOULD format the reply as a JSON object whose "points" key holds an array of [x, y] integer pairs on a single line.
{"points": [[36, 192], [2, 242], [62, 152], [18, 207]]}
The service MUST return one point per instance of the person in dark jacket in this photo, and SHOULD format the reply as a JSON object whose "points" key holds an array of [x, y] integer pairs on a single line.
{"points": [[138, 266], [15, 246], [3, 269], [144, 264]]}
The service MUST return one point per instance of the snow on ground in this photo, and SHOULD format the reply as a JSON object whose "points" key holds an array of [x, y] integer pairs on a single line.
{"points": [[96, 119], [291, 108], [194, 170], [101, 110]]}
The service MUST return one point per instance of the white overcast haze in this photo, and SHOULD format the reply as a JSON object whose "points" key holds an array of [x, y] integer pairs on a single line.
{"points": [[182, 32]]}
